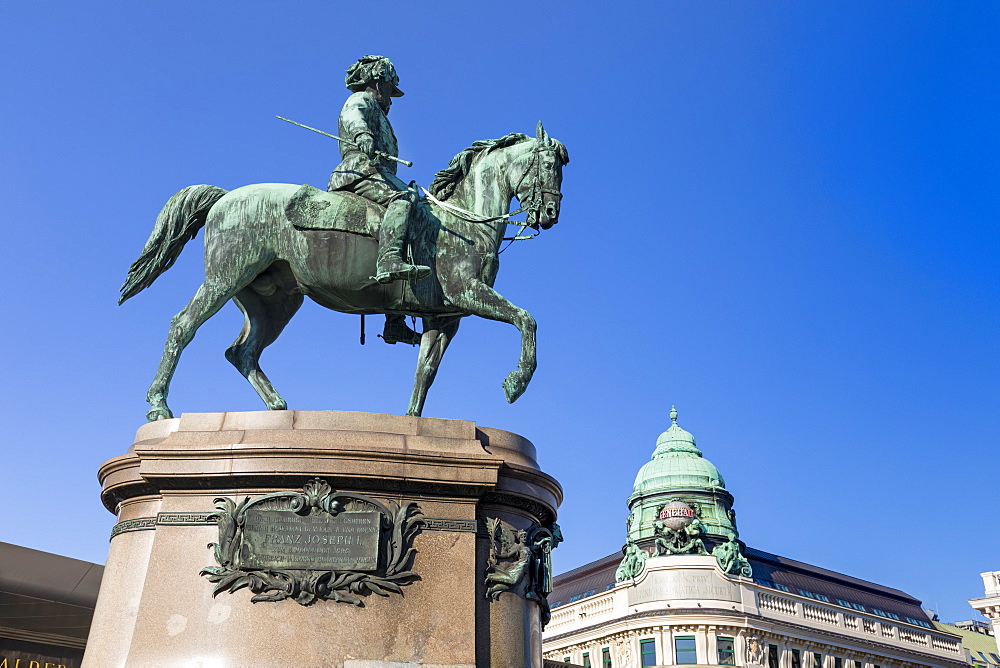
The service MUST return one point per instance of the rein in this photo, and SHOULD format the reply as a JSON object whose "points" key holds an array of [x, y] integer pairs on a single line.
{"points": [[534, 204]]}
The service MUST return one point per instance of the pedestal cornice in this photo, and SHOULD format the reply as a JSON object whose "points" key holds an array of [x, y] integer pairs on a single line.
{"points": [[267, 449]]}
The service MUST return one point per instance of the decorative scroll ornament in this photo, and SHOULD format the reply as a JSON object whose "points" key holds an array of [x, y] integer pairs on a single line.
{"points": [[678, 530], [730, 558], [633, 562], [381, 560], [523, 555]]}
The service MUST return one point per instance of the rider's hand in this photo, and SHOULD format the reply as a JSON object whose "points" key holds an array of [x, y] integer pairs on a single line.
{"points": [[366, 143]]}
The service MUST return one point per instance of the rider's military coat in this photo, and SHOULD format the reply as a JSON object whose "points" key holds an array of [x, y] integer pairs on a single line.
{"points": [[362, 114]]}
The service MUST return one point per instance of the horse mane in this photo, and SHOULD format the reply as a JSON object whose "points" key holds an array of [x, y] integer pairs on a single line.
{"points": [[443, 185]]}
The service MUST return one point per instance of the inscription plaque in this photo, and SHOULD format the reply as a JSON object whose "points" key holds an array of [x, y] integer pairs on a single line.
{"points": [[314, 544], [683, 584], [283, 539]]}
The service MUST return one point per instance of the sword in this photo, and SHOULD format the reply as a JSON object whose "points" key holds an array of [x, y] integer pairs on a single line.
{"points": [[347, 141]]}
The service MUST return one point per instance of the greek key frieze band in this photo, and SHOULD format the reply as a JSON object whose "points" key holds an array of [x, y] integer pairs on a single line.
{"points": [[445, 524], [200, 519], [184, 519], [134, 524]]}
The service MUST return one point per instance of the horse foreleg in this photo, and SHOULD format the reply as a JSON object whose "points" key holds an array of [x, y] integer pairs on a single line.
{"points": [[205, 303], [438, 333], [477, 298]]}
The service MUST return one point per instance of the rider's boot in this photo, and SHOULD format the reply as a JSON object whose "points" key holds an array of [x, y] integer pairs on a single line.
{"points": [[391, 240], [397, 331]]}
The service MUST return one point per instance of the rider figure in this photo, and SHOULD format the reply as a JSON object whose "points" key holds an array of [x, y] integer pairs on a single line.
{"points": [[364, 121]]}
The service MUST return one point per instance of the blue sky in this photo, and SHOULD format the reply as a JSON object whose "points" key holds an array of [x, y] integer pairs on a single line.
{"points": [[779, 216]]}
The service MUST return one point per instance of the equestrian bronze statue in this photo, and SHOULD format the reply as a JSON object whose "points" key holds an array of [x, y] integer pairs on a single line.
{"points": [[368, 245]]}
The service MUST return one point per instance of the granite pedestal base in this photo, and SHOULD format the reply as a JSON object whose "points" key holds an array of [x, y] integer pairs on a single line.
{"points": [[155, 609]]}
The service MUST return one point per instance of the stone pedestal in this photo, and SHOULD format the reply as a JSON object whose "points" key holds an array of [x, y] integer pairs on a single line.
{"points": [[155, 609]]}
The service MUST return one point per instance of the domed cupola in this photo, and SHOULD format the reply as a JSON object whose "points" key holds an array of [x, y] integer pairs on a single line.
{"points": [[677, 462], [678, 472]]}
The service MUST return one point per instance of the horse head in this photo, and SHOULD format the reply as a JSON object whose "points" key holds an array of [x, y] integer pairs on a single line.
{"points": [[539, 186]]}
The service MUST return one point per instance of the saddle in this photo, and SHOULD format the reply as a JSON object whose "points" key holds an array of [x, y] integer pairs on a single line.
{"points": [[314, 209]]}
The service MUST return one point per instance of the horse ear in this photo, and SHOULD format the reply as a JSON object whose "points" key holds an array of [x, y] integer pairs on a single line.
{"points": [[540, 133]]}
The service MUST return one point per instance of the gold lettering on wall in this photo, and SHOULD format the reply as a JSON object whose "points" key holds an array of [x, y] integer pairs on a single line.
{"points": [[15, 662]]}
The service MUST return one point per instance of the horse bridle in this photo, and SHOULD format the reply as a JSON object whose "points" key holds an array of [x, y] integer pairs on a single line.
{"points": [[534, 197], [537, 190]]}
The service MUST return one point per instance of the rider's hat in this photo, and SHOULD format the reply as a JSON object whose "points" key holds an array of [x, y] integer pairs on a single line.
{"points": [[372, 68]]}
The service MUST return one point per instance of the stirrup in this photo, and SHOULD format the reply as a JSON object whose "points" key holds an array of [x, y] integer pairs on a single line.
{"points": [[400, 271]]}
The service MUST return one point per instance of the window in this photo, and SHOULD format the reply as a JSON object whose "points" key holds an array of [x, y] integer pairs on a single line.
{"points": [[883, 613], [606, 657], [848, 604], [586, 659], [772, 585], [575, 597], [817, 660], [796, 659], [814, 596], [838, 662], [772, 656], [647, 651], [685, 651], [566, 660], [727, 654], [589, 593]]}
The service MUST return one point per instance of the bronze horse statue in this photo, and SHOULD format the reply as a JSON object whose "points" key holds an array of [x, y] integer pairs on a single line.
{"points": [[262, 251]]}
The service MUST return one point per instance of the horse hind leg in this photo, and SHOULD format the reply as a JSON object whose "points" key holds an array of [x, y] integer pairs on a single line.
{"points": [[267, 305], [438, 333], [207, 301]]}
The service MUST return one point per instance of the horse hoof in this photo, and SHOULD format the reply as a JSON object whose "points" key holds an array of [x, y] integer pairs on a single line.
{"points": [[514, 386], [159, 414]]}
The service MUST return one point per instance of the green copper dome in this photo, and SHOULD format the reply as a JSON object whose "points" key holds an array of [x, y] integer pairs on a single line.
{"points": [[677, 463], [678, 473]]}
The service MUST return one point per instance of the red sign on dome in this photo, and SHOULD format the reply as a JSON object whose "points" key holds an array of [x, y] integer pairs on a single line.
{"points": [[676, 511]]}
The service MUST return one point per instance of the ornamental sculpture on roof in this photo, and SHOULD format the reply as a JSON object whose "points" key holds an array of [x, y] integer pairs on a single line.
{"points": [[369, 244], [680, 532], [730, 558], [633, 561]]}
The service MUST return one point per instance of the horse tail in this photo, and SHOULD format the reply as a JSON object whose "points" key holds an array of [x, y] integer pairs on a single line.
{"points": [[179, 221]]}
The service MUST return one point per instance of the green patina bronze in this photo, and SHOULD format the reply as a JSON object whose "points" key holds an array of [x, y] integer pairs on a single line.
{"points": [[680, 505], [369, 245], [302, 557], [633, 561], [730, 558], [522, 560]]}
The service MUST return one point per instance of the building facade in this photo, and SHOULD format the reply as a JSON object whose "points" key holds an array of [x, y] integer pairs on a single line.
{"points": [[46, 606], [989, 604], [687, 591]]}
